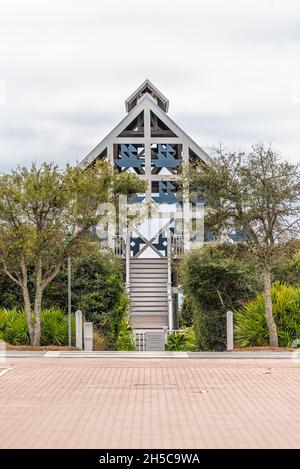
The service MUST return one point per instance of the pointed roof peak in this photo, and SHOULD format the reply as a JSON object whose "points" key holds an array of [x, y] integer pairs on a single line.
{"points": [[147, 87]]}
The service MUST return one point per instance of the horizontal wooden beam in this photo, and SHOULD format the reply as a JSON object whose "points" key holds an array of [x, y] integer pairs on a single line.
{"points": [[127, 140]]}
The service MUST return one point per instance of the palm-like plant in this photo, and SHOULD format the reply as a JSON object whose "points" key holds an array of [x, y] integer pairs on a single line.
{"points": [[13, 327], [54, 326], [251, 328]]}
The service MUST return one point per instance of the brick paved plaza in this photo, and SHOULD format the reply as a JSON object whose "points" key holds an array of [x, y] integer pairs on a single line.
{"points": [[147, 403]]}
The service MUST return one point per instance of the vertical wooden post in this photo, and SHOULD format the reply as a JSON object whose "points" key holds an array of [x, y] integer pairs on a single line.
{"points": [[169, 285], [127, 260], [229, 323], [78, 317], [147, 150], [186, 221]]}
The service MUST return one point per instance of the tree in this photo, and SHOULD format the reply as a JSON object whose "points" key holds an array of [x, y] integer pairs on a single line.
{"points": [[256, 196], [97, 290], [215, 279], [37, 208], [287, 269]]}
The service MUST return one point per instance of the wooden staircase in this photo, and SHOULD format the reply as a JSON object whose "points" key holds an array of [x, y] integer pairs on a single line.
{"points": [[148, 291]]}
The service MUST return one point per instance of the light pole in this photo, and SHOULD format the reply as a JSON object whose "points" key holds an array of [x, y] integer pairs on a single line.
{"points": [[69, 238]]}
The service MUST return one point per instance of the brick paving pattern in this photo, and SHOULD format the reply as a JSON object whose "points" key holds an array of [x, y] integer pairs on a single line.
{"points": [[139, 403]]}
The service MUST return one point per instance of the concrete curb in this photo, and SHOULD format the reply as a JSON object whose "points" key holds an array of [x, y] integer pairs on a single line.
{"points": [[147, 355]]}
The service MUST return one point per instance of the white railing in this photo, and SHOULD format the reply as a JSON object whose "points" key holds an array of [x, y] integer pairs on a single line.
{"points": [[119, 245], [140, 341], [140, 338], [174, 331], [177, 246]]}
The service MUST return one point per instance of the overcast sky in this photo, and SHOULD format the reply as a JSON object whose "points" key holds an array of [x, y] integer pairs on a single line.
{"points": [[231, 70]]}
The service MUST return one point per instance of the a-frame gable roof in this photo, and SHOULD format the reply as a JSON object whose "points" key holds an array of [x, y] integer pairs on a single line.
{"points": [[147, 87], [144, 103]]}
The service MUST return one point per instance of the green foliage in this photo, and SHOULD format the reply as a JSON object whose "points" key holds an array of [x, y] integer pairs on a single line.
{"points": [[210, 329], [37, 207], [255, 195], [54, 325], [13, 327], [287, 269], [97, 290], [186, 313], [217, 277], [214, 280], [176, 342], [182, 341], [10, 295], [251, 328], [126, 338]]}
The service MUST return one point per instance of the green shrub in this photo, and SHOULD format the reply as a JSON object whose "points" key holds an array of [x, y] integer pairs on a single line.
{"points": [[54, 326], [13, 327], [287, 269], [186, 317], [126, 339], [181, 341], [97, 290], [214, 280], [251, 328], [176, 342], [210, 328]]}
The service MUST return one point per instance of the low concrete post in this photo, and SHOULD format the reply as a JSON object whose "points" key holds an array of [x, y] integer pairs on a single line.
{"points": [[229, 323], [78, 320], [88, 336], [165, 329]]}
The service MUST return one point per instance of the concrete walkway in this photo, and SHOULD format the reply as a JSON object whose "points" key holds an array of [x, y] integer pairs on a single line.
{"points": [[149, 403], [170, 355]]}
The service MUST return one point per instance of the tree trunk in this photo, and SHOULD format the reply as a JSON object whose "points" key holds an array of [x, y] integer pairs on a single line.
{"points": [[38, 304], [273, 337], [37, 315], [28, 312], [26, 297]]}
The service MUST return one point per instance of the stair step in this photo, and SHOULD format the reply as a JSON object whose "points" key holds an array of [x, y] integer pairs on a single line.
{"points": [[151, 310], [148, 322], [152, 288], [149, 301], [146, 275], [142, 270], [149, 304], [159, 277], [139, 283], [154, 298], [149, 261], [140, 293], [137, 309], [148, 293]]}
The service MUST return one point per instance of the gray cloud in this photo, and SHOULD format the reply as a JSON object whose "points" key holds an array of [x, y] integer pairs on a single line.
{"points": [[230, 69]]}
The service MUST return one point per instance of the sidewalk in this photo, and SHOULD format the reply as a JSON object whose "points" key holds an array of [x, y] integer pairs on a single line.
{"points": [[144, 355], [149, 403]]}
